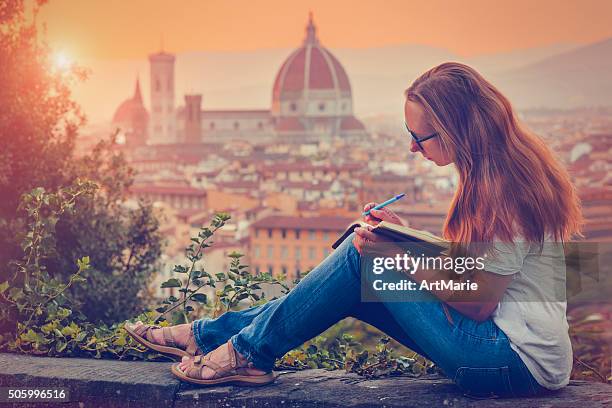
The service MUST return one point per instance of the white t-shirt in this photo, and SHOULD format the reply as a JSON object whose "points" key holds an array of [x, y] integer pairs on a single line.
{"points": [[532, 309]]}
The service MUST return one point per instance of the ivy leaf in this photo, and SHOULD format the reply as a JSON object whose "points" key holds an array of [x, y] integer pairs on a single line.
{"points": [[120, 341], [199, 297], [4, 286], [83, 263], [68, 331], [180, 269], [60, 346], [171, 283]]}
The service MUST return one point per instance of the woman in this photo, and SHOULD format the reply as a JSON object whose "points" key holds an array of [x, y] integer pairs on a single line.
{"points": [[512, 196]]}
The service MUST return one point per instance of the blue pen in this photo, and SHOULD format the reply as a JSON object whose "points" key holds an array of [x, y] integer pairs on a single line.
{"points": [[386, 203]]}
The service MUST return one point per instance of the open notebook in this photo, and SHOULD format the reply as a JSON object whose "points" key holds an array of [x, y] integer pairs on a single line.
{"points": [[398, 233]]}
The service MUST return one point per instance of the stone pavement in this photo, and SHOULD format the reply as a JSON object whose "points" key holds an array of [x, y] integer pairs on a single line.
{"points": [[110, 383]]}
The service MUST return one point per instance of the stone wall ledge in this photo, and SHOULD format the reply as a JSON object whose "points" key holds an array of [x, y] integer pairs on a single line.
{"points": [[110, 383]]}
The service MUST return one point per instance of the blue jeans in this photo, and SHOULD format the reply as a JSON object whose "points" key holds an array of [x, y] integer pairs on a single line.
{"points": [[476, 355]]}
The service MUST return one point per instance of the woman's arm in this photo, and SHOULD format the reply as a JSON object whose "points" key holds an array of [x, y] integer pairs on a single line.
{"points": [[477, 304]]}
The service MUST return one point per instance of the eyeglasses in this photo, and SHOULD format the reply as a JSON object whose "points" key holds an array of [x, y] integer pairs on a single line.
{"points": [[419, 140]]}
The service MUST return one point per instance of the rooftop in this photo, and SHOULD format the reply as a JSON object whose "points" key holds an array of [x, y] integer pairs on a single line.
{"points": [[324, 223]]}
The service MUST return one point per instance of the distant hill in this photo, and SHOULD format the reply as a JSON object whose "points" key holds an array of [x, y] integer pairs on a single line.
{"points": [[580, 77]]}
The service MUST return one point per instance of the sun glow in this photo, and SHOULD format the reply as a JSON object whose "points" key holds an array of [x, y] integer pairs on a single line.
{"points": [[61, 61]]}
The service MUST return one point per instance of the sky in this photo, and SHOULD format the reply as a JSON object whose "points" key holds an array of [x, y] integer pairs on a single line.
{"points": [[120, 29]]}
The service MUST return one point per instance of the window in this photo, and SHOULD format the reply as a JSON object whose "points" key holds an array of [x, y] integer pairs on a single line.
{"points": [[297, 234], [270, 269], [256, 232], [256, 251], [284, 270], [284, 233], [212, 126], [312, 253], [311, 235], [298, 253], [325, 252], [236, 125], [269, 232], [157, 84], [321, 106], [326, 236], [270, 252], [284, 252], [259, 125], [293, 107], [257, 269]]}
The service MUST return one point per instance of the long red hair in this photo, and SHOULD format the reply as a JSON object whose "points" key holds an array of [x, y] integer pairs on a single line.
{"points": [[509, 180]]}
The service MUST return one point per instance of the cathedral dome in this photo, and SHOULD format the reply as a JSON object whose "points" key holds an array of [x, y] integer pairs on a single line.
{"points": [[311, 82], [133, 118], [132, 110]]}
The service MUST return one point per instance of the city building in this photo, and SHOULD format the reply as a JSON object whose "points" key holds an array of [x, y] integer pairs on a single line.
{"points": [[311, 100], [290, 245]]}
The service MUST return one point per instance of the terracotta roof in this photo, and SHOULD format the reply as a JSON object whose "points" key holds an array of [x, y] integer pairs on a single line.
{"points": [[290, 124], [308, 166], [305, 185], [351, 123], [263, 113], [324, 223], [239, 184], [153, 189]]}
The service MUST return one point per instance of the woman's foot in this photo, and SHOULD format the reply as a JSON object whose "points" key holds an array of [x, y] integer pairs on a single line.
{"points": [[220, 356], [224, 365], [180, 333], [176, 340]]}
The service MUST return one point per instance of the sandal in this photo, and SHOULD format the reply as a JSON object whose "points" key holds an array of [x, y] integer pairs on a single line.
{"points": [[141, 333], [234, 372]]}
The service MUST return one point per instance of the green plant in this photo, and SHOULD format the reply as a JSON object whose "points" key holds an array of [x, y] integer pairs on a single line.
{"points": [[45, 320], [237, 283], [36, 298], [37, 314], [344, 352]]}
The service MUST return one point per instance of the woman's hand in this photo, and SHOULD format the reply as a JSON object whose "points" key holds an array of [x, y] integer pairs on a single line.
{"points": [[384, 214], [365, 238]]}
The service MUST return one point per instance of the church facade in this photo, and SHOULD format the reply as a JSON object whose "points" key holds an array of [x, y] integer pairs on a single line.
{"points": [[311, 100]]}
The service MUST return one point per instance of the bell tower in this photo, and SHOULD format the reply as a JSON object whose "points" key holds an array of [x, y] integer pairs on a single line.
{"points": [[193, 119], [163, 123]]}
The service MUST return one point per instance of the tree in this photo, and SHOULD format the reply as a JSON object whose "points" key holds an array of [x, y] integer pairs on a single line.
{"points": [[39, 123]]}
